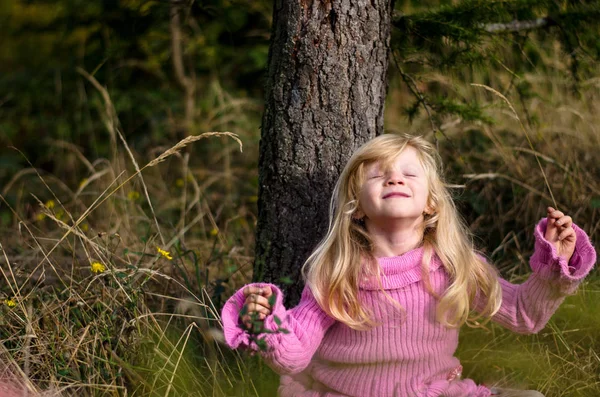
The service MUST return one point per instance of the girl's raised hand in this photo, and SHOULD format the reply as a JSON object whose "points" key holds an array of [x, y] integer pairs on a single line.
{"points": [[256, 305], [560, 233]]}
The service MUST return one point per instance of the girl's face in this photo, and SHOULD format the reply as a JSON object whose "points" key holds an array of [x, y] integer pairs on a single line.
{"points": [[399, 193]]}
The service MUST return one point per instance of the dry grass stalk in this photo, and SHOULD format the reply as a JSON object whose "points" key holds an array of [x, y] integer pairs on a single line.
{"points": [[73, 148], [526, 135], [190, 139], [492, 175], [113, 124], [111, 114]]}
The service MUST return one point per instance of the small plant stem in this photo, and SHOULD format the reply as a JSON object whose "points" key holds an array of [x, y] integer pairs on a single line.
{"points": [[526, 135]]}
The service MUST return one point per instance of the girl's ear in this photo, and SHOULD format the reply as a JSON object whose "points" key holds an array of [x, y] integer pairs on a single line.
{"points": [[358, 214], [429, 210], [430, 206]]}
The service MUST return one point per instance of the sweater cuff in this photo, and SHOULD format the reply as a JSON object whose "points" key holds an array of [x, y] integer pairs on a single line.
{"points": [[236, 334], [549, 265]]}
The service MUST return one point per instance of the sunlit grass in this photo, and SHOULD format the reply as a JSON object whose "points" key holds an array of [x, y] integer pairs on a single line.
{"points": [[561, 360], [113, 285]]}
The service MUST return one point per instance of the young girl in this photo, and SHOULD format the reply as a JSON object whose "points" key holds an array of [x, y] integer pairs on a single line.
{"points": [[393, 280]]}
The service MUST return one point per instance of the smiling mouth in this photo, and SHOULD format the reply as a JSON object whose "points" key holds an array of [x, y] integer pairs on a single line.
{"points": [[395, 195]]}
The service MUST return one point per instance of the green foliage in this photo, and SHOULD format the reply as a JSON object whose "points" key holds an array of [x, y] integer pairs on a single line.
{"points": [[453, 38], [126, 45]]}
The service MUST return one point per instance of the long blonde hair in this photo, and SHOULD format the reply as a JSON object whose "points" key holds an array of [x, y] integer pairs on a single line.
{"points": [[346, 252]]}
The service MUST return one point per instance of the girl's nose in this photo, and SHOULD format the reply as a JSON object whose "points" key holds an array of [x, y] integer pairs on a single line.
{"points": [[395, 179]]}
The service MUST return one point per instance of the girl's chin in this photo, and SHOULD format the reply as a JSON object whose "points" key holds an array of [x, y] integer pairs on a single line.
{"points": [[387, 219]]}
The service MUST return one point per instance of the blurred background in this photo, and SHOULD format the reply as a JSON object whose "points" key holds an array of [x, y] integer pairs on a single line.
{"points": [[92, 92]]}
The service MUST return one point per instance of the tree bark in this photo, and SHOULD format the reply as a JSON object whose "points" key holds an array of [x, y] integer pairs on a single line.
{"points": [[325, 95]]}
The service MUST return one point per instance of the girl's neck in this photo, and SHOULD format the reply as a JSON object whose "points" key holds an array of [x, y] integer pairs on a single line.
{"points": [[394, 239]]}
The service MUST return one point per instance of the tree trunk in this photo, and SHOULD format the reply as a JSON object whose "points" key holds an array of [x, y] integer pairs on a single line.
{"points": [[325, 97]]}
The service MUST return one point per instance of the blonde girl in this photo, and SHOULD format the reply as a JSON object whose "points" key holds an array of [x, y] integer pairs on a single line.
{"points": [[393, 280]]}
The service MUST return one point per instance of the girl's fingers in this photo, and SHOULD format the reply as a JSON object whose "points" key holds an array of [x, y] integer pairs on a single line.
{"points": [[564, 221], [256, 303], [252, 316], [567, 234], [258, 299], [267, 292], [249, 320], [551, 231], [256, 308], [251, 289], [250, 323]]}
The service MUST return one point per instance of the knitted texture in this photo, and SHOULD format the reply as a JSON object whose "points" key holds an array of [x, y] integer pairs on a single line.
{"points": [[408, 353]]}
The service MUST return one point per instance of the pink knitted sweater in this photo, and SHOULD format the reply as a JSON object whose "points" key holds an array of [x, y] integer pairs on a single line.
{"points": [[410, 353]]}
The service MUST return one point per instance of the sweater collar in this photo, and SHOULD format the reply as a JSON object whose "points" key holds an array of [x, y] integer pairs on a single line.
{"points": [[399, 271]]}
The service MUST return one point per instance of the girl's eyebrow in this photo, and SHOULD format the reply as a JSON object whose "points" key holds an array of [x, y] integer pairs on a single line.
{"points": [[412, 168], [373, 173], [374, 167]]}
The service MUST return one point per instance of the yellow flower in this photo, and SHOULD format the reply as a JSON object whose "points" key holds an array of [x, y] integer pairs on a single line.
{"points": [[133, 195], [50, 204], [98, 267], [85, 227], [59, 214], [180, 182], [164, 253], [10, 303], [83, 182], [214, 232], [40, 216]]}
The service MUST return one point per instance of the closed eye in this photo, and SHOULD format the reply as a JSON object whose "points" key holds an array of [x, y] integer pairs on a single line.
{"points": [[375, 176]]}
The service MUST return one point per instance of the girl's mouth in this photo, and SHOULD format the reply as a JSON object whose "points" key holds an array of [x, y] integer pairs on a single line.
{"points": [[395, 194]]}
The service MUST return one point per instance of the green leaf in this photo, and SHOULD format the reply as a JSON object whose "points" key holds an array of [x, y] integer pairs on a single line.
{"points": [[262, 345], [64, 372]]}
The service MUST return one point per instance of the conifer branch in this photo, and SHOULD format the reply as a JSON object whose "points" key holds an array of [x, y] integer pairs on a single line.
{"points": [[518, 26], [412, 86], [510, 27]]}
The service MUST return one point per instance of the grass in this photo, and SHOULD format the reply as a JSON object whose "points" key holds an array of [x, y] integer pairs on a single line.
{"points": [[99, 296], [176, 238], [561, 360]]}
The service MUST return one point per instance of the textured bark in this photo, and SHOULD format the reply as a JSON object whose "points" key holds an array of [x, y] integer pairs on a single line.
{"points": [[325, 96]]}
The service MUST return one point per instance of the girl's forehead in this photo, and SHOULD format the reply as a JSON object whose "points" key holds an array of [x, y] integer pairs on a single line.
{"points": [[408, 157]]}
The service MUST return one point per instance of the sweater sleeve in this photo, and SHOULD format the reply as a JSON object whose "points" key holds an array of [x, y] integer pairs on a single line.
{"points": [[527, 307], [288, 351]]}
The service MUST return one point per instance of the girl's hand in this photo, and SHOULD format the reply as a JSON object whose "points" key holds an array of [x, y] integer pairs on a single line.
{"points": [[560, 233], [256, 305]]}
